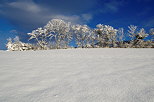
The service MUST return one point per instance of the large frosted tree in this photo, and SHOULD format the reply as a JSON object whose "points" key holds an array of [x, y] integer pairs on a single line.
{"points": [[61, 32], [55, 34]]}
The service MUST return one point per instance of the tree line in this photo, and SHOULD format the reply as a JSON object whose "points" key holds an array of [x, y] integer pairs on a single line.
{"points": [[58, 34]]}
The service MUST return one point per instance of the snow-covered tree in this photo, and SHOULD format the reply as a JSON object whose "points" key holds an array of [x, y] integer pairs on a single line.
{"points": [[132, 31], [42, 37], [152, 31], [61, 32], [93, 39], [106, 35], [136, 36], [152, 34], [141, 34], [82, 34], [120, 37]]}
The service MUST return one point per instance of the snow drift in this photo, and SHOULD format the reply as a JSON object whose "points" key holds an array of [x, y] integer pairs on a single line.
{"points": [[77, 75]]}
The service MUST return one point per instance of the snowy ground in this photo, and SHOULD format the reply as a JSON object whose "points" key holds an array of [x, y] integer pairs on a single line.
{"points": [[77, 75]]}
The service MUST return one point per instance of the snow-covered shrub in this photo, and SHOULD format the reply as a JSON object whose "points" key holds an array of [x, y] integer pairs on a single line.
{"points": [[147, 44], [9, 44], [17, 45]]}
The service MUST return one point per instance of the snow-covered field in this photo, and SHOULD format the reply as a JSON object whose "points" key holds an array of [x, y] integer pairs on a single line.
{"points": [[77, 75]]}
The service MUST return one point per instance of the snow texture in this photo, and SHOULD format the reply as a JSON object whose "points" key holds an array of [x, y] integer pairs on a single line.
{"points": [[77, 75]]}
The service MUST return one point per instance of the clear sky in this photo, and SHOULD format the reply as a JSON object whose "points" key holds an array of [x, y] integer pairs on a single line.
{"points": [[18, 17]]}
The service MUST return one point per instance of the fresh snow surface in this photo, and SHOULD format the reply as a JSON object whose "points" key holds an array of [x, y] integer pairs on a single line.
{"points": [[77, 75]]}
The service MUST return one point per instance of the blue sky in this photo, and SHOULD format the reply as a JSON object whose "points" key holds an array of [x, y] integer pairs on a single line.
{"points": [[18, 17]]}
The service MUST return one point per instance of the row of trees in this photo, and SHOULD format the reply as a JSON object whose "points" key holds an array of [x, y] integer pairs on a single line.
{"points": [[58, 34]]}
